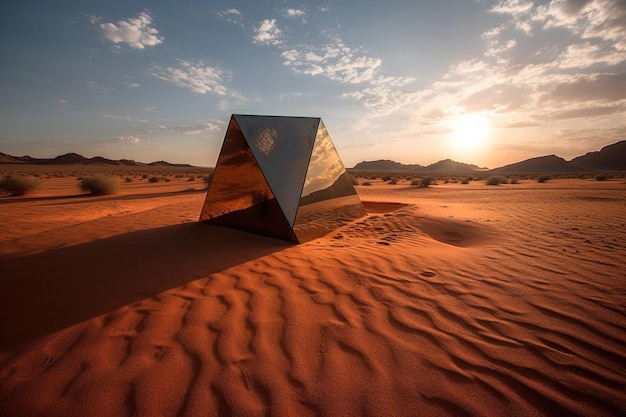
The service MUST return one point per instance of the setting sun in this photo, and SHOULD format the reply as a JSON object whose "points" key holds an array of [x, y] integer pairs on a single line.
{"points": [[470, 132]]}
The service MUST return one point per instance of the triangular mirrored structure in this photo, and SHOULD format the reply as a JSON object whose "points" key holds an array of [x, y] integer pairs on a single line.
{"points": [[280, 177]]}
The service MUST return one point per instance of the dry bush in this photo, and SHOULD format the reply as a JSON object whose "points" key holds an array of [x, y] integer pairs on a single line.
{"points": [[543, 178], [496, 180], [424, 182], [466, 180], [367, 183], [98, 185], [19, 185], [601, 177], [154, 179]]}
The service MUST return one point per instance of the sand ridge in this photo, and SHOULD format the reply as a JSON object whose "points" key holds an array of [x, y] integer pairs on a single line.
{"points": [[452, 302]]}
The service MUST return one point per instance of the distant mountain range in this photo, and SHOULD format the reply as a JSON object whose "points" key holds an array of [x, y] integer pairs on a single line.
{"points": [[76, 159], [609, 158]]}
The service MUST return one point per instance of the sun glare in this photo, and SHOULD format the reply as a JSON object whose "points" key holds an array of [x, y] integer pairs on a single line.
{"points": [[470, 132]]}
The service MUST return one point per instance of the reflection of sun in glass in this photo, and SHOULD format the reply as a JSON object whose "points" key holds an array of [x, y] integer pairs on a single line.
{"points": [[266, 141]]}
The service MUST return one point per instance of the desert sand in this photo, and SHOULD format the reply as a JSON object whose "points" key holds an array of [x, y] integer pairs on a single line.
{"points": [[451, 300]]}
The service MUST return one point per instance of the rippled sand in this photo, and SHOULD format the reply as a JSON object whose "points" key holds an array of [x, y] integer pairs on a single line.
{"points": [[456, 300]]}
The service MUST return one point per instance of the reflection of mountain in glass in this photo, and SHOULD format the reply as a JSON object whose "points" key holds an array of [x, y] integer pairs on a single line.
{"points": [[280, 177], [324, 166]]}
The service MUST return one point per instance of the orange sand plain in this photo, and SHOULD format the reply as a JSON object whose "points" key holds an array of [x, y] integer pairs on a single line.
{"points": [[460, 300]]}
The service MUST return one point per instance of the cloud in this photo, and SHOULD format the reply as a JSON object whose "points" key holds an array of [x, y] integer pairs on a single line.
{"points": [[338, 62], [97, 87], [195, 76], [127, 139], [295, 14], [267, 33], [522, 81], [127, 118], [601, 19], [187, 129], [597, 87], [135, 32], [512, 6], [583, 55], [230, 15]]}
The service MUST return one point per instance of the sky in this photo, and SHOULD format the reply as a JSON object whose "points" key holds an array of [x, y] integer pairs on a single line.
{"points": [[487, 82]]}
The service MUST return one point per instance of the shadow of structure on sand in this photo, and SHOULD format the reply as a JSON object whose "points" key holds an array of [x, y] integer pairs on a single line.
{"points": [[49, 291]]}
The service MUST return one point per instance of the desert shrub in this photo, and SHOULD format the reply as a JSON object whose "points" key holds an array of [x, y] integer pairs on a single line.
{"points": [[191, 178], [166, 179], [543, 178], [416, 182], [128, 179], [601, 177], [393, 181], [386, 178], [495, 180], [19, 185], [367, 183], [466, 180], [154, 179], [144, 176], [513, 181], [426, 181], [98, 185]]}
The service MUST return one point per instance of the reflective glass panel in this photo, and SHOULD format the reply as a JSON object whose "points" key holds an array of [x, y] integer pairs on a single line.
{"points": [[282, 148], [239, 195], [328, 198]]}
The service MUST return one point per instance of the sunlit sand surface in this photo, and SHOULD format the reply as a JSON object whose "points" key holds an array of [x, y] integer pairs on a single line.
{"points": [[452, 300]]}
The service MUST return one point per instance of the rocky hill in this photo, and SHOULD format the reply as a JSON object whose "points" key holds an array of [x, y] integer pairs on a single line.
{"points": [[609, 158], [550, 163], [446, 165], [77, 159]]}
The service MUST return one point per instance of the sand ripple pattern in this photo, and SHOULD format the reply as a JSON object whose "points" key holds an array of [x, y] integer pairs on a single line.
{"points": [[400, 314]]}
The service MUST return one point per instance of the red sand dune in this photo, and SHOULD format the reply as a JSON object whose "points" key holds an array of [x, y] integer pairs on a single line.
{"points": [[455, 300]]}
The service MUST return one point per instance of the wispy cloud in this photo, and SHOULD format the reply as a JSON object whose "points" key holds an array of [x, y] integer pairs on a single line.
{"points": [[601, 19], [295, 14], [94, 85], [231, 15], [136, 32], [267, 33], [338, 62], [527, 83], [196, 76], [127, 118], [187, 129], [127, 139]]}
